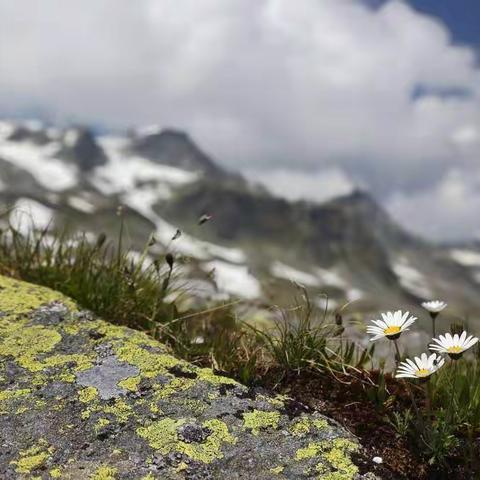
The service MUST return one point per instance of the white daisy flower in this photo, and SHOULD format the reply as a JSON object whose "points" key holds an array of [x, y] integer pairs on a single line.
{"points": [[434, 306], [421, 368], [453, 345], [392, 325]]}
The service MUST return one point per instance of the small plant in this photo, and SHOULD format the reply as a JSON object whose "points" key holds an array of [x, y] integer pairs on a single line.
{"points": [[303, 339], [451, 396]]}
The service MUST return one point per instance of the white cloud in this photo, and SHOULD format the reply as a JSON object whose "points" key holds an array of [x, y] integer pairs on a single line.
{"points": [[293, 85], [449, 210], [318, 186]]}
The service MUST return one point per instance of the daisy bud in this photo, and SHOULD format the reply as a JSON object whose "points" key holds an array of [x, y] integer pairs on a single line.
{"points": [[169, 259]]}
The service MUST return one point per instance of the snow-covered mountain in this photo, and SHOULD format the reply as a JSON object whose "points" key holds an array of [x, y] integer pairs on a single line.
{"points": [[254, 246]]}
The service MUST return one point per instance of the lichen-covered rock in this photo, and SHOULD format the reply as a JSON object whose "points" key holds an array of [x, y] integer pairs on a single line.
{"points": [[83, 399]]}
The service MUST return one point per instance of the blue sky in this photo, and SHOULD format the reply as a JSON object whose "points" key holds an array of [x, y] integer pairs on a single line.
{"points": [[461, 16]]}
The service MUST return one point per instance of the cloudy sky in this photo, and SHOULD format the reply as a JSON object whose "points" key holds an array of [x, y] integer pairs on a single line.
{"points": [[312, 97]]}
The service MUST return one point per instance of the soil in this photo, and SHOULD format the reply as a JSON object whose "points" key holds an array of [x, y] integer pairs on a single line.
{"points": [[345, 399]]}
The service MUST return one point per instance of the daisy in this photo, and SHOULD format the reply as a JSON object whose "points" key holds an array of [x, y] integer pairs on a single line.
{"points": [[454, 345], [434, 307], [392, 325], [421, 368]]}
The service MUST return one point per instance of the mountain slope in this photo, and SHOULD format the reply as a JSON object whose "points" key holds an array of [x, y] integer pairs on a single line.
{"points": [[255, 244]]}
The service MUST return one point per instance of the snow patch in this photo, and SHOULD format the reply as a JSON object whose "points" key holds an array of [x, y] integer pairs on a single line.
{"points": [[50, 172], [280, 270], [80, 204], [123, 173], [28, 215], [234, 279], [467, 258], [411, 279], [331, 278]]}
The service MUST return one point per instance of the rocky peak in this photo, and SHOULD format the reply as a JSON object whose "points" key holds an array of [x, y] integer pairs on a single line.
{"points": [[80, 147], [175, 148]]}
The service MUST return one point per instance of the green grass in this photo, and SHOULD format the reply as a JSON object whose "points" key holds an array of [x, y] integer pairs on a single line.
{"points": [[102, 277]]}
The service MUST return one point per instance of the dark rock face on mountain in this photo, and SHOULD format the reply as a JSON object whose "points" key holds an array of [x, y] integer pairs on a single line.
{"points": [[23, 133], [80, 147], [84, 399], [175, 148]]}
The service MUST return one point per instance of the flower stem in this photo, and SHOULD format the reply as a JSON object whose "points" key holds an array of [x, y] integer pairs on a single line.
{"points": [[398, 357], [433, 316], [451, 413]]}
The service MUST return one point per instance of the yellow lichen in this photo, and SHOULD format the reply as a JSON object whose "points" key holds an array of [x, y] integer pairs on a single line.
{"points": [[120, 409], [259, 420], [163, 436], [87, 394], [104, 473], [177, 384], [207, 375], [210, 449], [335, 462], [303, 425], [55, 472], [17, 297], [9, 394], [24, 343], [32, 458], [150, 364], [101, 422], [277, 470], [130, 383]]}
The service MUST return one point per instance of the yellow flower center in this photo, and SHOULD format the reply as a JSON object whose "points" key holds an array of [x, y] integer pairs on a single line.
{"points": [[391, 331], [423, 372], [454, 349]]}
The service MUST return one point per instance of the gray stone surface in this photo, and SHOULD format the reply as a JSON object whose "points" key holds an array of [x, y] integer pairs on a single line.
{"points": [[83, 399]]}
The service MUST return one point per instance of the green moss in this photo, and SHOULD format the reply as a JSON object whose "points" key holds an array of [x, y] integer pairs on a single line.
{"points": [[163, 436], [259, 420], [87, 394], [104, 473]]}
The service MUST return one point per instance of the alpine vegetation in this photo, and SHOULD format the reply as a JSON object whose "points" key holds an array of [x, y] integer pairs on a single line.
{"points": [[444, 396]]}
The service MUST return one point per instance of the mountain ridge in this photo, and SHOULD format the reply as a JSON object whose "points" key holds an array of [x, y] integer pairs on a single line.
{"points": [[348, 247]]}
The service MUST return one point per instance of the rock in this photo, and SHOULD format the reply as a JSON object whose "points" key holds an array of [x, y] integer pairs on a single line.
{"points": [[84, 399]]}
